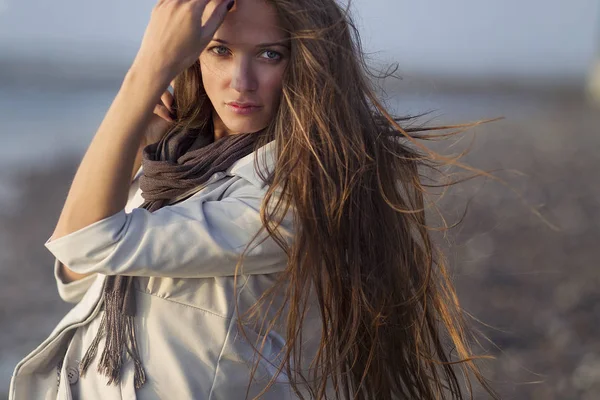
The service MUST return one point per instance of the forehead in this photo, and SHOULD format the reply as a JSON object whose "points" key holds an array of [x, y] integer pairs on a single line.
{"points": [[249, 22]]}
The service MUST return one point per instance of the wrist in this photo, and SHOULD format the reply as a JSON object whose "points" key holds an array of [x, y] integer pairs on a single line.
{"points": [[156, 81]]}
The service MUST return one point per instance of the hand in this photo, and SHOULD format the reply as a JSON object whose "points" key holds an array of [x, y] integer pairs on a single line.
{"points": [[175, 35], [161, 120]]}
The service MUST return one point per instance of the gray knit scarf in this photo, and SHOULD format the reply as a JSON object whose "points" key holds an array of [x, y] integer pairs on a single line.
{"points": [[171, 167]]}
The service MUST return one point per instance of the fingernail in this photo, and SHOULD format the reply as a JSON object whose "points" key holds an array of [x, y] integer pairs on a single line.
{"points": [[230, 5]]}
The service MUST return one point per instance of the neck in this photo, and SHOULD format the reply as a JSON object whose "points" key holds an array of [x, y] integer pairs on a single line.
{"points": [[219, 128]]}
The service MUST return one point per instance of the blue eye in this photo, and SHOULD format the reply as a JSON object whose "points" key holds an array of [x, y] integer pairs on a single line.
{"points": [[219, 50], [272, 55]]}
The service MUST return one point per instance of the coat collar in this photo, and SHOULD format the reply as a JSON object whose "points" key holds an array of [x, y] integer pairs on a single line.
{"points": [[244, 167]]}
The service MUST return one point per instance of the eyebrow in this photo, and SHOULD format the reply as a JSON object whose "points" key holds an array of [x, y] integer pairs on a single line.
{"points": [[283, 43]]}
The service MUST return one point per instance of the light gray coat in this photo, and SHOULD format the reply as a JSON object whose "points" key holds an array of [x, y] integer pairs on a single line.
{"points": [[183, 257]]}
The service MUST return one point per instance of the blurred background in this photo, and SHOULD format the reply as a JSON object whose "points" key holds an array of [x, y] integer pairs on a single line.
{"points": [[532, 280]]}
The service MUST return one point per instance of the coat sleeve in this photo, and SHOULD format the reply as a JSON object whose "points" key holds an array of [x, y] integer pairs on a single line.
{"points": [[196, 238], [72, 292]]}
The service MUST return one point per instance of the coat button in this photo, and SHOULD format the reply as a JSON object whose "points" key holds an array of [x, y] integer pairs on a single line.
{"points": [[73, 375]]}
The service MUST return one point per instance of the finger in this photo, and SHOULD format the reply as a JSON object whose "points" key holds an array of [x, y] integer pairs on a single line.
{"points": [[167, 99], [163, 112], [197, 6], [217, 17]]}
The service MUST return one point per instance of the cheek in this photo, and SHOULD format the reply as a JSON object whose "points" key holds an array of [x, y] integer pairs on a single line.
{"points": [[271, 85], [213, 77]]}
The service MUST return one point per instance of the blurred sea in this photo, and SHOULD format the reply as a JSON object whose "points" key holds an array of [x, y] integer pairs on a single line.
{"points": [[39, 127], [537, 287]]}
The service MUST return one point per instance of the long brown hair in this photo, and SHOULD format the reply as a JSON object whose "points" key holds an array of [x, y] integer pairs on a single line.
{"points": [[392, 327]]}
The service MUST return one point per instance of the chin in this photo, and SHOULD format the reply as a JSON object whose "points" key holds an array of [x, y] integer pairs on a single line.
{"points": [[243, 126]]}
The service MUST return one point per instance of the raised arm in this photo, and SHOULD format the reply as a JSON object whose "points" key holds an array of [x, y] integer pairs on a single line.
{"points": [[102, 181], [173, 40]]}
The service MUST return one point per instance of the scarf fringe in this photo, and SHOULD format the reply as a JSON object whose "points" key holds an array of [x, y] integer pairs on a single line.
{"points": [[91, 352], [120, 339], [139, 376]]}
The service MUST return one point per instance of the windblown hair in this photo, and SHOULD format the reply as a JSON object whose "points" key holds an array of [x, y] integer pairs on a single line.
{"points": [[392, 325]]}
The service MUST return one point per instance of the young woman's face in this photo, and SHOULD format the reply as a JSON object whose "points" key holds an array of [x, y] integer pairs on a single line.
{"points": [[244, 64]]}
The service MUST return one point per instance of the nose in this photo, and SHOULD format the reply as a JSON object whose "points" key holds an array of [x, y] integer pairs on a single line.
{"points": [[243, 78]]}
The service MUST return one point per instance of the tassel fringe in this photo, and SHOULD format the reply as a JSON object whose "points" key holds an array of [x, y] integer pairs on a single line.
{"points": [[91, 352], [118, 327], [139, 376]]}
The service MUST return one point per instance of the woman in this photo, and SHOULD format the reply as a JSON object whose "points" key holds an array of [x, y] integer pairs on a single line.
{"points": [[274, 241]]}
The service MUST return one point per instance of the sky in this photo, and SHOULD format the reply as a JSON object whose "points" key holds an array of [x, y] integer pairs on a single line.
{"points": [[553, 38]]}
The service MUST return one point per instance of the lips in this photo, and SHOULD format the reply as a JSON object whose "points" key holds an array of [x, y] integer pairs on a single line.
{"points": [[242, 104], [242, 108]]}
